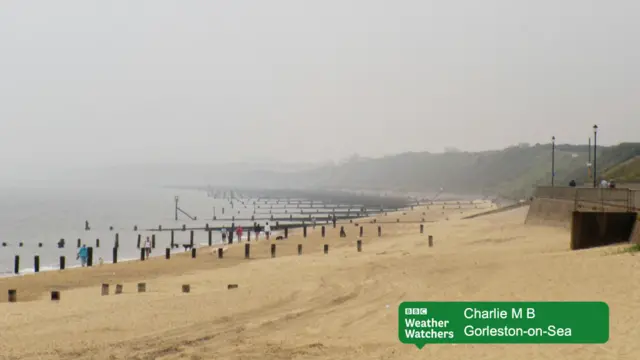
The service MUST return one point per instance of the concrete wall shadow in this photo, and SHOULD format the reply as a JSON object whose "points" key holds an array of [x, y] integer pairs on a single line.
{"points": [[592, 229]]}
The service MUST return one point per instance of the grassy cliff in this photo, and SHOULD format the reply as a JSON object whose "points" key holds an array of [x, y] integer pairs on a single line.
{"points": [[627, 171], [513, 172]]}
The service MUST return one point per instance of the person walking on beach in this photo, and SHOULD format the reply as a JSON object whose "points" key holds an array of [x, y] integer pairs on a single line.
{"points": [[314, 222], [223, 231], [239, 231], [83, 254], [147, 247], [232, 231], [267, 230], [256, 229]]}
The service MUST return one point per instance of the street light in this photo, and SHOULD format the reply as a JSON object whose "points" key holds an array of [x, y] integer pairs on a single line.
{"points": [[589, 162], [595, 150], [553, 159]]}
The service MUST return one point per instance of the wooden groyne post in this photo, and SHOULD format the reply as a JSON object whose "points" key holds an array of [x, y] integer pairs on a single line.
{"points": [[90, 256], [12, 295]]}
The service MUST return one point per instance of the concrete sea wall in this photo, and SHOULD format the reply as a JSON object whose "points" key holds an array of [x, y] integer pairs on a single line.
{"points": [[550, 212]]}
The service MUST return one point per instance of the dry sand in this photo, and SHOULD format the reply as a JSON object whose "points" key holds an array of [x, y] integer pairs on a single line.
{"points": [[322, 306]]}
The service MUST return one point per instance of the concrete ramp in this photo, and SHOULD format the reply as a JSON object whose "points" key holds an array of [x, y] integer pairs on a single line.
{"points": [[550, 212], [498, 210], [592, 229]]}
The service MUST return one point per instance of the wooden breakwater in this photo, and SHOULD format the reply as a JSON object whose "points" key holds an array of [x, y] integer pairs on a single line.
{"points": [[329, 239], [334, 215], [304, 196]]}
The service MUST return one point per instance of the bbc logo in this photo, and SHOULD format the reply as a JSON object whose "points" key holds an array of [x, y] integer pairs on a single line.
{"points": [[415, 311]]}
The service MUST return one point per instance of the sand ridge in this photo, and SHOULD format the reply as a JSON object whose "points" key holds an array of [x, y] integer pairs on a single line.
{"points": [[322, 306]]}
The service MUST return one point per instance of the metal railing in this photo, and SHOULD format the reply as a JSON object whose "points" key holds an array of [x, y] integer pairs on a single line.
{"points": [[592, 199]]}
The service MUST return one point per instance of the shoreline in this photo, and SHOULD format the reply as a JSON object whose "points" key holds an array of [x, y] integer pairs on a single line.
{"points": [[157, 267], [27, 271]]}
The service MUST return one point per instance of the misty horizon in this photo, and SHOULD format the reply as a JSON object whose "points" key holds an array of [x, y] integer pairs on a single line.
{"points": [[92, 84]]}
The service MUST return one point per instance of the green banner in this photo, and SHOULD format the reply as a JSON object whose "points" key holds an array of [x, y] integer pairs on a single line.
{"points": [[422, 323]]}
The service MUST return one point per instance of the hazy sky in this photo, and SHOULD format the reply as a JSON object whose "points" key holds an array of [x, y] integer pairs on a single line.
{"points": [[113, 82]]}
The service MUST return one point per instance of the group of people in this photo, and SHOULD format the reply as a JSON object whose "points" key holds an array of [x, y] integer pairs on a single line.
{"points": [[603, 184], [227, 238], [227, 235], [83, 252], [608, 184]]}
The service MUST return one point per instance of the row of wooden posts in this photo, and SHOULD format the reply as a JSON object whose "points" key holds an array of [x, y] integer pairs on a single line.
{"points": [[55, 295], [142, 287], [62, 259], [209, 230]]}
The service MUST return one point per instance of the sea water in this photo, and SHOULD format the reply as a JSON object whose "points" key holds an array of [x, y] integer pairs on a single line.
{"points": [[45, 215]]}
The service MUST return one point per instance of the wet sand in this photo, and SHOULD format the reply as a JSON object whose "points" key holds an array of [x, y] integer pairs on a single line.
{"points": [[321, 306]]}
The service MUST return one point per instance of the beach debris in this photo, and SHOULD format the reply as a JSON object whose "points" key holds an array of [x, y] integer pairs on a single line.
{"points": [[232, 286], [55, 295], [13, 295], [186, 288], [105, 289]]}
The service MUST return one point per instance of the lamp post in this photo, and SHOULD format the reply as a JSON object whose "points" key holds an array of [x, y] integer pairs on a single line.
{"points": [[553, 160], [595, 150], [589, 162]]}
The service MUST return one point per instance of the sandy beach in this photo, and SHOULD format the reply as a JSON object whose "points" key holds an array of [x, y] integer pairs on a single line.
{"points": [[342, 305]]}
